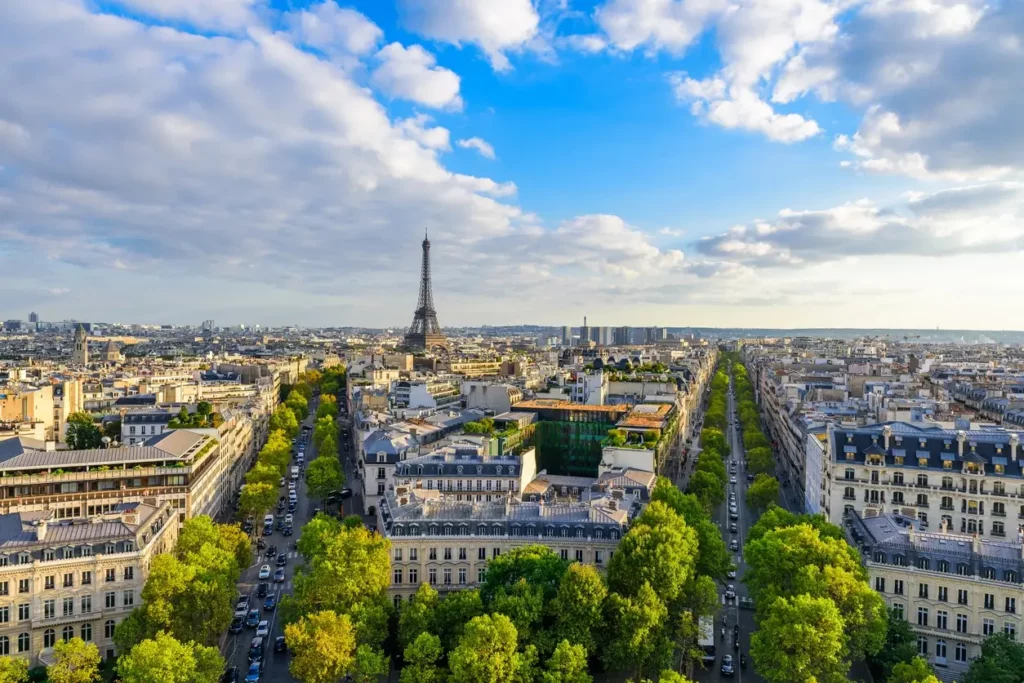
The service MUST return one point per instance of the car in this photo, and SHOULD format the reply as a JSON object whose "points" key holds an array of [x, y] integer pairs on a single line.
{"points": [[230, 675], [270, 604], [237, 624], [253, 620], [242, 602], [279, 645], [731, 574], [247, 527], [732, 480], [254, 673], [262, 589], [271, 551], [279, 576], [282, 560], [291, 506], [288, 519], [730, 592], [750, 477], [281, 499], [263, 629], [256, 650], [733, 515], [734, 528], [728, 669], [265, 571], [734, 545], [287, 531], [291, 486]]}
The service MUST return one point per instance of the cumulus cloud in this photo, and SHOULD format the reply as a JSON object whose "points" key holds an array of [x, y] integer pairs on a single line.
{"points": [[479, 144], [494, 27], [670, 25], [419, 128], [203, 14], [329, 27], [410, 73]]}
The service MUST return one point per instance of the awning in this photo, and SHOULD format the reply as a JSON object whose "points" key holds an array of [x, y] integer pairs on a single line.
{"points": [[899, 452], [999, 461], [924, 454], [849, 449], [947, 456]]}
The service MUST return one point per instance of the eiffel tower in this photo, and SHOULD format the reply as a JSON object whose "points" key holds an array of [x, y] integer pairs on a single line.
{"points": [[425, 332]]}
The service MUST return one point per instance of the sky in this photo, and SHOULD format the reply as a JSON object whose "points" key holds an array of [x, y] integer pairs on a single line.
{"points": [[748, 163]]}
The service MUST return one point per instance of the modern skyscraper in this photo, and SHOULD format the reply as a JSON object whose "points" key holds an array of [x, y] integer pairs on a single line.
{"points": [[33, 317], [425, 332], [622, 337], [566, 336], [585, 333]]}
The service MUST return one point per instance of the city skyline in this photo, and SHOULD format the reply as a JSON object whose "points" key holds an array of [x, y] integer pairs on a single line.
{"points": [[798, 164]]}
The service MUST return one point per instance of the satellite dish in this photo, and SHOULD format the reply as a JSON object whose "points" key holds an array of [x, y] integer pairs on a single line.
{"points": [[106, 441]]}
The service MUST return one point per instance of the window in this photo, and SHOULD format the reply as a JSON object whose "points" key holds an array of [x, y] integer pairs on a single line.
{"points": [[86, 604], [897, 607], [922, 479], [397, 601], [49, 582], [110, 600], [49, 556], [24, 585], [462, 576], [564, 554], [940, 650], [380, 488], [1011, 605], [849, 493], [897, 586], [481, 574], [414, 575], [128, 598], [432, 554], [24, 642], [880, 584], [850, 475], [943, 566], [940, 619], [922, 616], [49, 609], [24, 611], [396, 578], [495, 552], [961, 623], [111, 575], [86, 578], [961, 597], [990, 601], [380, 473], [87, 632], [5, 614], [67, 633], [462, 554], [129, 573], [922, 590], [943, 594], [1010, 629], [481, 553], [988, 627], [960, 652], [922, 645], [69, 580], [431, 576], [108, 628], [49, 638], [448, 554], [598, 557], [413, 554], [447, 576], [4, 588], [69, 607]]}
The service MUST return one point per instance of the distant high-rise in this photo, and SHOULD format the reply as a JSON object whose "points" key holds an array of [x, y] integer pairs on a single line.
{"points": [[566, 336], [622, 337], [33, 317], [585, 333], [207, 326], [425, 332], [80, 354], [605, 336]]}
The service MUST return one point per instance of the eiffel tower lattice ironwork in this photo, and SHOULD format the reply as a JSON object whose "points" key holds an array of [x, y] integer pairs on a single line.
{"points": [[425, 331]]}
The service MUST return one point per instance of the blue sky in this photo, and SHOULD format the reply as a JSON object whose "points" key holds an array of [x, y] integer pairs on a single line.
{"points": [[677, 162]]}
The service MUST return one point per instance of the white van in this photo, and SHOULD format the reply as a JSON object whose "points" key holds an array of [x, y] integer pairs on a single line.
{"points": [[268, 520], [295, 473]]}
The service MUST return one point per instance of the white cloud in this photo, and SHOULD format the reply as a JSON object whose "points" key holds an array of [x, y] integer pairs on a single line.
{"points": [[495, 27], [203, 14], [670, 25], [419, 129], [583, 43], [411, 73], [479, 144], [330, 27]]}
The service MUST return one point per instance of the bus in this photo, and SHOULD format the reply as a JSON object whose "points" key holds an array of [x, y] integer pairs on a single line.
{"points": [[706, 639]]}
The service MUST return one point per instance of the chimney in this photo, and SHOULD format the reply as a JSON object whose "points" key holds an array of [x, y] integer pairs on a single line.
{"points": [[1014, 442], [976, 544], [41, 530]]}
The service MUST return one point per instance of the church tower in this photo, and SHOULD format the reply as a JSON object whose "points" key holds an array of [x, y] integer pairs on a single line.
{"points": [[80, 356]]}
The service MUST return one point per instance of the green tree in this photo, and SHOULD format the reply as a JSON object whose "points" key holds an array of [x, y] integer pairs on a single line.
{"points": [[323, 646], [112, 430], [298, 404], [328, 448], [165, 659], [760, 460], [327, 409], [762, 492], [324, 476], [776, 517], [567, 664], [256, 499], [316, 534], [263, 473], [283, 419], [800, 639], [201, 530], [537, 564], [323, 428], [900, 646], [634, 636], [417, 615], [421, 657], [577, 606], [75, 661], [523, 604], [669, 676], [370, 664], [13, 670], [916, 670], [486, 652], [714, 440], [707, 488], [1001, 661], [712, 557], [355, 565], [754, 438], [658, 550], [82, 432], [453, 613]]}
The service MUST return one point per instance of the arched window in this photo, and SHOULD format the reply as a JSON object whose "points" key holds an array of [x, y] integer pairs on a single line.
{"points": [[87, 632], [67, 633], [496, 529], [447, 529], [481, 529], [5, 645], [108, 628], [947, 482], [498, 469], [24, 642], [49, 637], [459, 469]]}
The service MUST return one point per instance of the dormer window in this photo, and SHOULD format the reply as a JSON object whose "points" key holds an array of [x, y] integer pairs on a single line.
{"points": [[511, 469], [49, 555], [498, 469], [24, 558], [381, 456], [479, 469], [459, 469], [109, 549]]}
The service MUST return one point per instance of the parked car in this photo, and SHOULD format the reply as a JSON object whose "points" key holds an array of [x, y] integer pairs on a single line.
{"points": [[732, 480], [731, 574], [733, 515], [279, 645], [265, 571], [253, 620], [279, 576], [237, 624], [270, 603], [263, 629], [230, 675], [254, 673], [734, 528], [734, 545], [750, 477]]}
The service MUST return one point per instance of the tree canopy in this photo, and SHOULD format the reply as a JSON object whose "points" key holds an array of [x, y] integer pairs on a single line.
{"points": [[75, 661], [82, 432], [165, 659]]}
